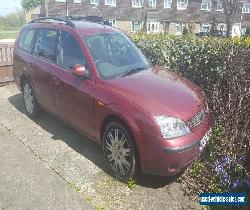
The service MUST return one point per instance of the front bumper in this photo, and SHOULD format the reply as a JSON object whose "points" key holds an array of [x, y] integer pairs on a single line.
{"points": [[168, 157]]}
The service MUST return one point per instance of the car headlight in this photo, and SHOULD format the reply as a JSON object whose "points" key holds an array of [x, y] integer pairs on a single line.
{"points": [[172, 127]]}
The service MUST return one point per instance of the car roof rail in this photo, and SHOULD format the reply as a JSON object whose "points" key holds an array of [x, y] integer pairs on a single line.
{"points": [[68, 20], [53, 19], [94, 19]]}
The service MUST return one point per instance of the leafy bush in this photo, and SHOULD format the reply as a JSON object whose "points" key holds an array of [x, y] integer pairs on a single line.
{"points": [[247, 31], [221, 67]]}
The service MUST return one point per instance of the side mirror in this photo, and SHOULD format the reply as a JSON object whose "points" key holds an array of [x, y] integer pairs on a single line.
{"points": [[80, 71]]}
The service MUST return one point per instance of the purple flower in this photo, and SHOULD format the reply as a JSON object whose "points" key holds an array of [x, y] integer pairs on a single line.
{"points": [[247, 181], [236, 184], [241, 159], [227, 160], [218, 168], [225, 179]]}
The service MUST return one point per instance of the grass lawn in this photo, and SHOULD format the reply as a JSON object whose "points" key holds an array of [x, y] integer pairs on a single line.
{"points": [[8, 34]]}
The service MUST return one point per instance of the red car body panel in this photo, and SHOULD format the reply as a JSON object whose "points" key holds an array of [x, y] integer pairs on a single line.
{"points": [[135, 99]]}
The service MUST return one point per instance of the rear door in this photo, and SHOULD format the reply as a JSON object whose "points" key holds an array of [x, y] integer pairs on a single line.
{"points": [[73, 95], [22, 54], [43, 65]]}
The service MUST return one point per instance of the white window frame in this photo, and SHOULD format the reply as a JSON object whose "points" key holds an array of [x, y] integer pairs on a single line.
{"points": [[61, 1], [110, 3], [77, 1], [246, 7], [112, 22], [206, 5], [140, 26], [152, 3], [205, 25], [219, 8], [221, 26], [137, 3], [154, 23], [181, 26], [95, 2], [182, 4], [167, 4]]}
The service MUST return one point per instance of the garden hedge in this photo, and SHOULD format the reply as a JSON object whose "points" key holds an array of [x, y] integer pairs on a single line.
{"points": [[221, 67]]}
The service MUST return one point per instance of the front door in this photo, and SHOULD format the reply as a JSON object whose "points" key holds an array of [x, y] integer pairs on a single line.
{"points": [[73, 95]]}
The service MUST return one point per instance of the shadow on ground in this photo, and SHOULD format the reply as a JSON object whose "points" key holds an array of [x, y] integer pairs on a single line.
{"points": [[83, 145]]}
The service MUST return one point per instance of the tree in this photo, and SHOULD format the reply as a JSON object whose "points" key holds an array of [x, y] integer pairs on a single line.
{"points": [[185, 31], [214, 24], [231, 8], [12, 21], [29, 4]]}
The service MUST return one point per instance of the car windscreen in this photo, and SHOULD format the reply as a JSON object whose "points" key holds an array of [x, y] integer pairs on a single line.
{"points": [[115, 54]]}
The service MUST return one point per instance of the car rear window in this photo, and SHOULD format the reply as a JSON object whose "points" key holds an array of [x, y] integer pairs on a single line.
{"points": [[46, 43], [26, 40]]}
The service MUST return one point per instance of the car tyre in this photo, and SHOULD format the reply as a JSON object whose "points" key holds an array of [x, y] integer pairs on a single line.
{"points": [[119, 151], [30, 102]]}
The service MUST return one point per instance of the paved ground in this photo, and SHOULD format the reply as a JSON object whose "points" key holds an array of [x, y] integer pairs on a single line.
{"points": [[79, 162], [26, 183]]}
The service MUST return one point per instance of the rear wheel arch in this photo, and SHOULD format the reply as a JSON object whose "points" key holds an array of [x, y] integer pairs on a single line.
{"points": [[23, 78]]}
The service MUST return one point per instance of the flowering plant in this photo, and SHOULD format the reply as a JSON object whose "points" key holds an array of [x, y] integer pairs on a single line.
{"points": [[232, 173]]}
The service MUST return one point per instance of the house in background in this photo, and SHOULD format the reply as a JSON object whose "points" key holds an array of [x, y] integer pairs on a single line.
{"points": [[155, 16], [36, 12]]}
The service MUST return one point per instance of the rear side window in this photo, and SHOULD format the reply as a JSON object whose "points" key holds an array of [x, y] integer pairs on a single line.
{"points": [[46, 43], [26, 40], [69, 51]]}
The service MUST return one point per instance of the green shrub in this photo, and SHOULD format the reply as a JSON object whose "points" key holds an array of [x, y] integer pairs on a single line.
{"points": [[247, 31], [221, 67]]}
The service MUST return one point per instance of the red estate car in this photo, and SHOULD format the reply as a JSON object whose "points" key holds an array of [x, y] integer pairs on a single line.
{"points": [[93, 77]]}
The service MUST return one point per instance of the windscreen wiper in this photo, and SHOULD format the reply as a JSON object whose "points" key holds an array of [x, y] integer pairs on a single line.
{"points": [[133, 71]]}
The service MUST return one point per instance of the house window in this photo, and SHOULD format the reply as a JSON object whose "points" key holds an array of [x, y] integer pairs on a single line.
{"points": [[206, 5], [179, 28], [167, 3], [221, 27], [96, 2], [166, 26], [153, 26], [152, 3], [182, 4], [77, 1], [110, 2], [219, 5], [246, 7], [205, 27], [136, 26], [112, 22], [136, 3]]}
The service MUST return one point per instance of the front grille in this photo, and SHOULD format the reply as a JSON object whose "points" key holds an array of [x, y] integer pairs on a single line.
{"points": [[196, 119]]}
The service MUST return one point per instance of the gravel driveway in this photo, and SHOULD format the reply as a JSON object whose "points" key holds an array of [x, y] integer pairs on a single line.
{"points": [[79, 161]]}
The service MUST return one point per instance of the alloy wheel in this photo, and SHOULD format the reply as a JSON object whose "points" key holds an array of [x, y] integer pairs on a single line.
{"points": [[119, 151], [28, 98]]}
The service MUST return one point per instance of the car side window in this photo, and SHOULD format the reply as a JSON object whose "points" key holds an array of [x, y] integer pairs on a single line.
{"points": [[69, 52], [46, 43], [26, 40]]}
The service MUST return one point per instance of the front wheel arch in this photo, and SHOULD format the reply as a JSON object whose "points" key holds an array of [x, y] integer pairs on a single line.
{"points": [[114, 118]]}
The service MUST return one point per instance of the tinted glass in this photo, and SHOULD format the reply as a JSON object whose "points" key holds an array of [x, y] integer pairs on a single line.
{"points": [[46, 44], [26, 40], [114, 54], [69, 52]]}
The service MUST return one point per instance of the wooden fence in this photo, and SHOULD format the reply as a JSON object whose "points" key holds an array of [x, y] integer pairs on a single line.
{"points": [[6, 62]]}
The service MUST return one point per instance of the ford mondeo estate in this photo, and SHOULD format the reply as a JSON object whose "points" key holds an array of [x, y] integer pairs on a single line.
{"points": [[92, 76]]}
